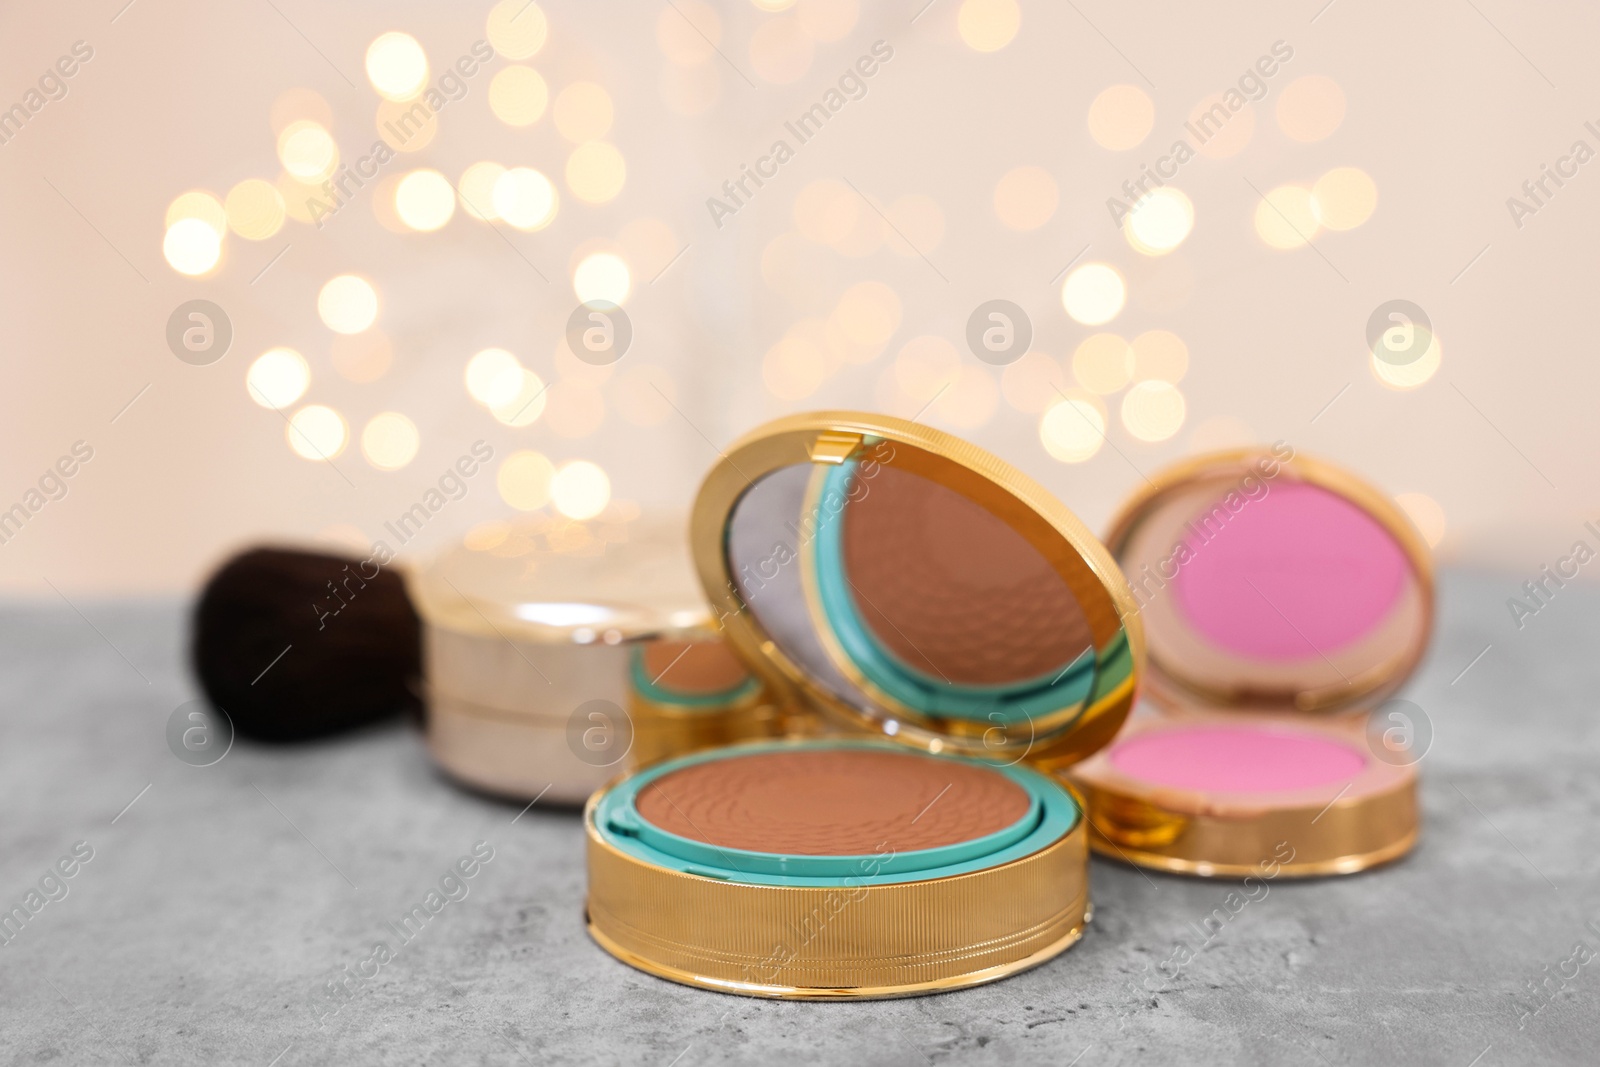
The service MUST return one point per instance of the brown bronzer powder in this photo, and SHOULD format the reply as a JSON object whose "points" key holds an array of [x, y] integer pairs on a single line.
{"points": [[833, 802], [694, 668], [951, 589]]}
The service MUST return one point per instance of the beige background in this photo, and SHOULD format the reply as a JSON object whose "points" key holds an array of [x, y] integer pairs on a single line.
{"points": [[1449, 107]]}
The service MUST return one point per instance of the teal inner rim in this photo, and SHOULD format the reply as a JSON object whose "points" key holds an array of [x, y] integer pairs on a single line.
{"points": [[1051, 814], [934, 697], [661, 694]]}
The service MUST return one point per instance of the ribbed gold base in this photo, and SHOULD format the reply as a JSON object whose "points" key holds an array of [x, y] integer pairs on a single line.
{"points": [[1318, 868], [779, 992], [841, 943], [1371, 820]]}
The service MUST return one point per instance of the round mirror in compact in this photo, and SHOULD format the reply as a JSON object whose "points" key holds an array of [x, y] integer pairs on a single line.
{"points": [[557, 654], [1283, 600], [967, 635]]}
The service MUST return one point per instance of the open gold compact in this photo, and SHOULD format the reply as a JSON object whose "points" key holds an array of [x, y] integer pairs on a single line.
{"points": [[967, 635], [1283, 600], [558, 653]]}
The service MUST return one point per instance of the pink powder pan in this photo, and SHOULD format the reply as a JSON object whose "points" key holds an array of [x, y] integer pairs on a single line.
{"points": [[1299, 573], [1248, 759], [1283, 599]]}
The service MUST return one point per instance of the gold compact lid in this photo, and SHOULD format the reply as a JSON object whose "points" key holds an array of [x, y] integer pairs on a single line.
{"points": [[907, 582], [1269, 580], [620, 577]]}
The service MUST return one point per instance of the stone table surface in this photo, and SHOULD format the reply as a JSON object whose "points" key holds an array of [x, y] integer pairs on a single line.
{"points": [[218, 900]]}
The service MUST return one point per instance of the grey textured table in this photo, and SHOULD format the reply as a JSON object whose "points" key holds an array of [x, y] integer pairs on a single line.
{"points": [[219, 903]]}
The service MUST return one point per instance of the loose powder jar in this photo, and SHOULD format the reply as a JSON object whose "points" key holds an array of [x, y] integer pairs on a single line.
{"points": [[967, 636], [1284, 600], [557, 654]]}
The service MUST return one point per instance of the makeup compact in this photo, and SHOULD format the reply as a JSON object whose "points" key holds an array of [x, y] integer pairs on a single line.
{"points": [[967, 636], [558, 653], [1283, 599]]}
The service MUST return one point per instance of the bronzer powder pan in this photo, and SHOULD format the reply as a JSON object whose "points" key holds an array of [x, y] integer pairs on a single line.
{"points": [[970, 636], [831, 799], [937, 604], [1283, 600]]}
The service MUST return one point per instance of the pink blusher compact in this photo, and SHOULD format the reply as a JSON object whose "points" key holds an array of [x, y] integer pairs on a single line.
{"points": [[1283, 599]]}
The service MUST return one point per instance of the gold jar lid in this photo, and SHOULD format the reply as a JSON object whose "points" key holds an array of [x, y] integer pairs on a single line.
{"points": [[552, 580]]}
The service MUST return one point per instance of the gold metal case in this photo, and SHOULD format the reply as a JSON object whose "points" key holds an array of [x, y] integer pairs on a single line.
{"points": [[840, 942], [917, 936]]}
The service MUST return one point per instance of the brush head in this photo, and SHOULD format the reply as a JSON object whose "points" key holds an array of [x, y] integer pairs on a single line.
{"points": [[353, 640]]}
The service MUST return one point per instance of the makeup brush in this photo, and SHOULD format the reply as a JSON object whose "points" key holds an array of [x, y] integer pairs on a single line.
{"points": [[295, 644]]}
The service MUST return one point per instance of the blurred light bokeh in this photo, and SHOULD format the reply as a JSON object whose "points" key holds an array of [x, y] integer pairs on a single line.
{"points": [[399, 208]]}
